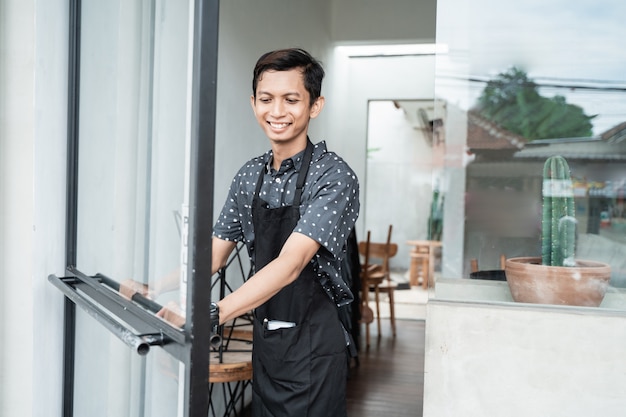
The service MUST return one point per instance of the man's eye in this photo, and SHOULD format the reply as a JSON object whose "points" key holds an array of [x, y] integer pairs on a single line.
{"points": [[292, 100], [264, 100]]}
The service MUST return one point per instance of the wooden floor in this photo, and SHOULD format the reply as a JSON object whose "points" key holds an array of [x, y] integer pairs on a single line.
{"points": [[389, 380]]}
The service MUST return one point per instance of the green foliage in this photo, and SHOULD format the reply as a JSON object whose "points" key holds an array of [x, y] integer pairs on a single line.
{"points": [[558, 224], [512, 101], [371, 151], [435, 220]]}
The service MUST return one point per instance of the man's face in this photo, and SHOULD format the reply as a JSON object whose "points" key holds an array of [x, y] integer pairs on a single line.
{"points": [[282, 106]]}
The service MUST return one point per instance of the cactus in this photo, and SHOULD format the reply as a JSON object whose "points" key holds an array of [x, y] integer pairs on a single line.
{"points": [[558, 225]]}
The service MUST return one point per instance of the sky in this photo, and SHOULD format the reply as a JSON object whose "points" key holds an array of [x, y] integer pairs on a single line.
{"points": [[556, 42]]}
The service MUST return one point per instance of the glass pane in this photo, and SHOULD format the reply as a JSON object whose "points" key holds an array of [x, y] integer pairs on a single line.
{"points": [[399, 156], [522, 82], [132, 182]]}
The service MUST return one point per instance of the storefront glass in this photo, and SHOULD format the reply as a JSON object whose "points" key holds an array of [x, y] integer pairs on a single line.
{"points": [[522, 82]]}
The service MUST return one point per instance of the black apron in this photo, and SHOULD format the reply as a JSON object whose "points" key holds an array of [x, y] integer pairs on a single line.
{"points": [[298, 371]]}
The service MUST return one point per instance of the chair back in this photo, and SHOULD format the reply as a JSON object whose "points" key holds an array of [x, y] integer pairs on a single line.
{"points": [[364, 251], [381, 252]]}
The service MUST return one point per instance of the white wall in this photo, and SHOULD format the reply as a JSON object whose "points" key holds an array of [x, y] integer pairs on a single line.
{"points": [[32, 150], [17, 137], [386, 21]]}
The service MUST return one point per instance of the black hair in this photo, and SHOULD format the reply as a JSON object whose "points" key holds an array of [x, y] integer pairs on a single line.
{"points": [[288, 59]]}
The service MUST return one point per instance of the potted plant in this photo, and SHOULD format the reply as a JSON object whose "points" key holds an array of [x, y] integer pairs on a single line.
{"points": [[557, 277]]}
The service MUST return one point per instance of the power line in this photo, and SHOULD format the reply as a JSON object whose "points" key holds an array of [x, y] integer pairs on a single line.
{"points": [[554, 82], [607, 88]]}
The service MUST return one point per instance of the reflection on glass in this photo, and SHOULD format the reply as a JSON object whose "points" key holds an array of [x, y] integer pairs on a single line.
{"points": [[523, 82], [399, 158], [131, 190]]}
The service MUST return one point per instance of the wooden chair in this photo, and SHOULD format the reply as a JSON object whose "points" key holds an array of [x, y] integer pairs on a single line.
{"points": [[420, 265], [375, 277]]}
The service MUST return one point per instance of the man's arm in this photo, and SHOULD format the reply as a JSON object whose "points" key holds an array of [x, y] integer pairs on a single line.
{"points": [[296, 253], [220, 252]]}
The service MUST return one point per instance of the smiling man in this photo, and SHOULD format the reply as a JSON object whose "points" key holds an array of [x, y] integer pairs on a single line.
{"points": [[294, 208]]}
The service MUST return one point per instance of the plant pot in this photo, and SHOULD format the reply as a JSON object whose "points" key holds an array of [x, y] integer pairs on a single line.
{"points": [[582, 285]]}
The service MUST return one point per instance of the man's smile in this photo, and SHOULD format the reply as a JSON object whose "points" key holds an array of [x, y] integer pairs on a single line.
{"points": [[278, 125]]}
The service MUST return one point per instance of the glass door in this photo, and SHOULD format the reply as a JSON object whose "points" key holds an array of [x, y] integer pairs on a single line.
{"points": [[131, 183], [141, 72]]}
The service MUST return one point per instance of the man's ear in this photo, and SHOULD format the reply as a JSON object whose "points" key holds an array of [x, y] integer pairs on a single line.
{"points": [[252, 102], [317, 107]]}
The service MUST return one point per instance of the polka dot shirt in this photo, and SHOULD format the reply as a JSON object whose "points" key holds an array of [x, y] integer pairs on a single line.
{"points": [[329, 209]]}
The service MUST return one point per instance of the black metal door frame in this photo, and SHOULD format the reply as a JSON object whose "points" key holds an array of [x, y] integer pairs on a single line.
{"points": [[191, 344]]}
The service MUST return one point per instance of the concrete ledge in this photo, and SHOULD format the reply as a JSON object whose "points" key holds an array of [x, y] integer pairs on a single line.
{"points": [[472, 290], [498, 291], [487, 356]]}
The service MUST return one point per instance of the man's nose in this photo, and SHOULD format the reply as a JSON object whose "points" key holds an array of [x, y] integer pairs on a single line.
{"points": [[278, 108]]}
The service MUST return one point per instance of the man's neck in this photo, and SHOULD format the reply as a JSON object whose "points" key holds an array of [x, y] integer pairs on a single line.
{"points": [[282, 151]]}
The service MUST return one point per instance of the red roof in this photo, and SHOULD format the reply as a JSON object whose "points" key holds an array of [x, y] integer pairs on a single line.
{"points": [[485, 135]]}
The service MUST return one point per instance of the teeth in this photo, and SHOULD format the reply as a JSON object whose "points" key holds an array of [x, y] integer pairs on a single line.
{"points": [[279, 125]]}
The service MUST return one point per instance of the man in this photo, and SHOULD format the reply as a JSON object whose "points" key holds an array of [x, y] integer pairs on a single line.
{"points": [[294, 208]]}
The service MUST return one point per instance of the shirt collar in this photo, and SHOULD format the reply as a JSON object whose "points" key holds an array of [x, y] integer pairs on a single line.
{"points": [[294, 161]]}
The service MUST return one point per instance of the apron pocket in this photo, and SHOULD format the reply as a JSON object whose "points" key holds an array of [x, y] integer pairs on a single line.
{"points": [[282, 367], [285, 353]]}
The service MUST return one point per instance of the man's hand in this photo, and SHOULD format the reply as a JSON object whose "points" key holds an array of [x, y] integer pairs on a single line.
{"points": [[173, 314], [130, 287]]}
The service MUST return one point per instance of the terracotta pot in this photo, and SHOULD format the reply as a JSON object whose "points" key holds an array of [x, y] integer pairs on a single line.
{"points": [[582, 285]]}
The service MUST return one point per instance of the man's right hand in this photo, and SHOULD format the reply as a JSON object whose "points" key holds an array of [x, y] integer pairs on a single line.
{"points": [[130, 287], [173, 314]]}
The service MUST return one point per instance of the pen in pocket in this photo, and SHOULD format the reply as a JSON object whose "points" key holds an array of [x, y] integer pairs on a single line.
{"points": [[277, 324]]}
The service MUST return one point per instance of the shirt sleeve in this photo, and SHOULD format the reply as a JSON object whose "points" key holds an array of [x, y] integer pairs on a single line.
{"points": [[333, 207], [228, 224], [328, 216]]}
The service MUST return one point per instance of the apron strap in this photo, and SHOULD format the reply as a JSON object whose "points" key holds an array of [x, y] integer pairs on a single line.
{"points": [[304, 170]]}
